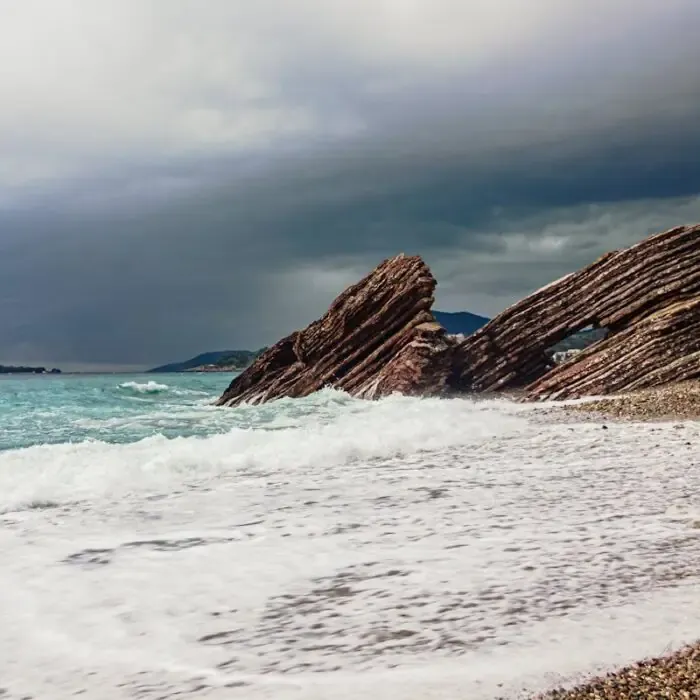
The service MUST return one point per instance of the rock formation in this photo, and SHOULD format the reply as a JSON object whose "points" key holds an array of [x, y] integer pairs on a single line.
{"points": [[422, 367], [661, 348], [647, 298], [378, 337]]}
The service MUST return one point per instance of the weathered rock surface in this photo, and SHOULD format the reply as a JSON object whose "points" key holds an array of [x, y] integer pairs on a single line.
{"points": [[647, 298], [378, 337], [421, 367], [659, 349]]}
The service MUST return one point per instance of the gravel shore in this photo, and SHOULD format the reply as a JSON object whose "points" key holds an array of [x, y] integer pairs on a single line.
{"points": [[672, 677], [672, 402]]}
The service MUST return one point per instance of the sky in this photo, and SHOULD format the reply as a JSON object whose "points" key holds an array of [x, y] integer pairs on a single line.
{"points": [[178, 176]]}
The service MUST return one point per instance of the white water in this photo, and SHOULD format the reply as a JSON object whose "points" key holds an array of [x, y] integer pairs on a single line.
{"points": [[149, 387], [410, 549]]}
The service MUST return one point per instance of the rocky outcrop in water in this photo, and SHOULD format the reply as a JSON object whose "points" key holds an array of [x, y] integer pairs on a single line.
{"points": [[646, 297], [378, 337]]}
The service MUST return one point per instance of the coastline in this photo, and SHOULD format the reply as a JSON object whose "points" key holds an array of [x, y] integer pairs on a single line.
{"points": [[671, 402], [672, 676], [214, 368]]}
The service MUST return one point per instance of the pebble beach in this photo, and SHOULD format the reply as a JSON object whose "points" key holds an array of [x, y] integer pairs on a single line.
{"points": [[672, 677], [673, 402]]}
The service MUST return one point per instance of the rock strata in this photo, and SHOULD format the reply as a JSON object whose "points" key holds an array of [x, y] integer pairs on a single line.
{"points": [[422, 367], [378, 337], [664, 347], [646, 297]]}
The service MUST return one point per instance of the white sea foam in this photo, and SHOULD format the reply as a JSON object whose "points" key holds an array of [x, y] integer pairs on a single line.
{"points": [[333, 549], [335, 433], [149, 387]]}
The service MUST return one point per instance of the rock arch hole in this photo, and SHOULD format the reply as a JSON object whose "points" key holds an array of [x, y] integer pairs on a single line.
{"points": [[575, 342]]}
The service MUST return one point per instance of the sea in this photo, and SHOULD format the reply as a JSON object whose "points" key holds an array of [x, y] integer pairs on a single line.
{"points": [[327, 548]]}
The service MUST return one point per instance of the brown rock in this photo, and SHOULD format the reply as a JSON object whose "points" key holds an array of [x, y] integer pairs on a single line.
{"points": [[660, 349], [377, 337], [635, 293], [422, 367]]}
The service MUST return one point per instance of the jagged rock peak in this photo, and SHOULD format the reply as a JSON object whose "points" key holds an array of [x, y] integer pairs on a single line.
{"points": [[377, 337]]}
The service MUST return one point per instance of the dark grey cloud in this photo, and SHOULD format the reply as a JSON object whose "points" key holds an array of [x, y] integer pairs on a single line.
{"points": [[244, 196]]}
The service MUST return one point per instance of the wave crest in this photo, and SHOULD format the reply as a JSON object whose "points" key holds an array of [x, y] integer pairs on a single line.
{"points": [[149, 387], [277, 439]]}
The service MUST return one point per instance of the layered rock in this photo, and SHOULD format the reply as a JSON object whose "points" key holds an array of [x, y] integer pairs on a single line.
{"points": [[661, 348], [380, 337], [377, 337], [635, 293], [421, 367]]}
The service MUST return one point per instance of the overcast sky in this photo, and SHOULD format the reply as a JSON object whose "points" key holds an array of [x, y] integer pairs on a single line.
{"points": [[179, 176]]}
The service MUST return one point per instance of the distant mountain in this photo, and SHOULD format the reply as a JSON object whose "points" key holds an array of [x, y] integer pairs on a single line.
{"points": [[460, 322], [218, 359]]}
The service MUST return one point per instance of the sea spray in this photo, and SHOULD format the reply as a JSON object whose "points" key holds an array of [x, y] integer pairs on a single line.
{"points": [[328, 430], [150, 387]]}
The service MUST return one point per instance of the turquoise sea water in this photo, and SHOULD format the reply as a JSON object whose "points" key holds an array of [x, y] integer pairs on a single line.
{"points": [[112, 407], [117, 408]]}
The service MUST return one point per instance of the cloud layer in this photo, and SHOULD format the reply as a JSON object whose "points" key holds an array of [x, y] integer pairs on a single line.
{"points": [[177, 177]]}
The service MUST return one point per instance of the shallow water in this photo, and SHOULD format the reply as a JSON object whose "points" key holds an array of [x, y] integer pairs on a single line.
{"points": [[157, 547]]}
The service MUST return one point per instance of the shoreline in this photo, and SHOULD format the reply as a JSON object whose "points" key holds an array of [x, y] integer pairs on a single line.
{"points": [[673, 675], [668, 403], [548, 608]]}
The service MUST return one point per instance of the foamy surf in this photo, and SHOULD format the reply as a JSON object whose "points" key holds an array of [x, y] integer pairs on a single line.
{"points": [[332, 431], [331, 549], [149, 387]]}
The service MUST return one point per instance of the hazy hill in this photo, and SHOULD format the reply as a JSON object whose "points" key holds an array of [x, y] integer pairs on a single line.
{"points": [[234, 359], [460, 322], [5, 369]]}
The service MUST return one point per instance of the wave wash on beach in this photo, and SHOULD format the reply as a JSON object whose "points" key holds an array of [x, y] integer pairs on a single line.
{"points": [[332, 547]]}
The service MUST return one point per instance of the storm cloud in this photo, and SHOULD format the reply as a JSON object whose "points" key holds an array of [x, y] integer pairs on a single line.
{"points": [[178, 176]]}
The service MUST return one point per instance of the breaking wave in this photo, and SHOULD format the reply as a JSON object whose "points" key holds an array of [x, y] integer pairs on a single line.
{"points": [[150, 387], [327, 431]]}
